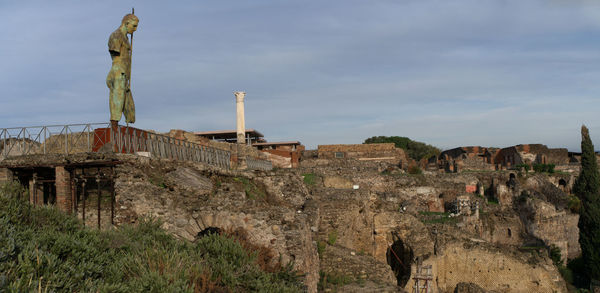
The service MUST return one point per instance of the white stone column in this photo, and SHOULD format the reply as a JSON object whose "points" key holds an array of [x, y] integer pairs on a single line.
{"points": [[241, 123]]}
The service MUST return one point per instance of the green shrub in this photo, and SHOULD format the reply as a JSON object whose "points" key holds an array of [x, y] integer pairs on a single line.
{"points": [[42, 249], [555, 255], [574, 204], [541, 168], [13, 189], [525, 167], [414, 170], [332, 237], [335, 280], [321, 248], [309, 178]]}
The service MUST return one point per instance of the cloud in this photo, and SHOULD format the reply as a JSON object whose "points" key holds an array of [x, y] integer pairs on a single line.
{"points": [[445, 72]]}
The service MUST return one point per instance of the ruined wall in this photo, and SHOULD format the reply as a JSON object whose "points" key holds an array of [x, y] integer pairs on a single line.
{"points": [[189, 197], [554, 227], [376, 150], [492, 269]]}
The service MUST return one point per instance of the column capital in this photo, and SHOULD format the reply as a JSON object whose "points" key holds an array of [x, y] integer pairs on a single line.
{"points": [[239, 96]]}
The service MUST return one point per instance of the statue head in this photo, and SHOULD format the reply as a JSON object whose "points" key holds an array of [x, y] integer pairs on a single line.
{"points": [[130, 22]]}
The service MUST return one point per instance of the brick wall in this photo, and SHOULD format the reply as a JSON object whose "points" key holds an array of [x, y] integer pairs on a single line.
{"points": [[63, 189]]}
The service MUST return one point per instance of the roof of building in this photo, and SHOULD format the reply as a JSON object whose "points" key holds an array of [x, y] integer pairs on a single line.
{"points": [[277, 143], [227, 134]]}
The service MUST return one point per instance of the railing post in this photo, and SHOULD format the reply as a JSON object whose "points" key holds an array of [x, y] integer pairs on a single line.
{"points": [[66, 129], [89, 129], [44, 129]]}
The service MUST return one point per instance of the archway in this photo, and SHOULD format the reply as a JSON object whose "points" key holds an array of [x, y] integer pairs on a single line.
{"points": [[399, 257], [562, 184]]}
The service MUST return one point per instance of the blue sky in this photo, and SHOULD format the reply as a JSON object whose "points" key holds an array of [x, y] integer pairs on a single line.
{"points": [[449, 73]]}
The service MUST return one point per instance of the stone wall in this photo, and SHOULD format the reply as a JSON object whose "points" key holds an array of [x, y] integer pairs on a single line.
{"points": [[376, 150], [554, 227], [492, 269]]}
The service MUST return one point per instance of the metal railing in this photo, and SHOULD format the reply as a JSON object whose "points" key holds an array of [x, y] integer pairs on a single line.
{"points": [[257, 164], [50, 139], [100, 137]]}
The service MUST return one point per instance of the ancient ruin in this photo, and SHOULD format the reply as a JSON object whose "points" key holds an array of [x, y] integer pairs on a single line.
{"points": [[471, 218]]}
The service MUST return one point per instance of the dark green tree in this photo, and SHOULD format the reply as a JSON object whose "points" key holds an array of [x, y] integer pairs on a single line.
{"points": [[414, 149], [587, 188]]}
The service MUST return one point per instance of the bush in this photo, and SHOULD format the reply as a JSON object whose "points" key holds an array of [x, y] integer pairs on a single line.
{"points": [[525, 167], [13, 189], [541, 168], [43, 249], [555, 255], [309, 179], [574, 204], [414, 170]]}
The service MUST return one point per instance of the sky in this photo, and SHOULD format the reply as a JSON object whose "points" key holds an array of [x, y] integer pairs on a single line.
{"points": [[448, 73]]}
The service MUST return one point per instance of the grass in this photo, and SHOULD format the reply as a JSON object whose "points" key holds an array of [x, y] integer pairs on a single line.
{"points": [[436, 217], [321, 248], [309, 179], [44, 250], [332, 237], [333, 280], [252, 190]]}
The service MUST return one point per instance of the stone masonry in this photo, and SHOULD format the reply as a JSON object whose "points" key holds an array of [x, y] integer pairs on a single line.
{"points": [[63, 189]]}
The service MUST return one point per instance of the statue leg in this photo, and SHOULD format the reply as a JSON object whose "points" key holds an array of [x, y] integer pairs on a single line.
{"points": [[117, 97]]}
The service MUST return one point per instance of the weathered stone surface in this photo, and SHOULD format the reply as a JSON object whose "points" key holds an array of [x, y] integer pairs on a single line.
{"points": [[337, 182], [492, 269], [463, 287], [191, 180], [554, 227], [339, 260]]}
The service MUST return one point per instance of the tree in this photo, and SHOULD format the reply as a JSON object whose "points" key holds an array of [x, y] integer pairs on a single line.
{"points": [[414, 149], [587, 188]]}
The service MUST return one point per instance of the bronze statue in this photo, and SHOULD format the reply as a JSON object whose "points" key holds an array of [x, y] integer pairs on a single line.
{"points": [[119, 77]]}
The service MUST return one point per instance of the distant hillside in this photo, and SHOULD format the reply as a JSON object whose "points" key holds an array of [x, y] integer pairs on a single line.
{"points": [[414, 149]]}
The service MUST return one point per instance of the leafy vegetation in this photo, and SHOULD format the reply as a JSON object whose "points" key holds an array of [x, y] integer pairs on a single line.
{"points": [[44, 250], [525, 167], [587, 188], [414, 170], [544, 168], [436, 217], [321, 248], [333, 280], [252, 190], [309, 178], [332, 237], [414, 149]]}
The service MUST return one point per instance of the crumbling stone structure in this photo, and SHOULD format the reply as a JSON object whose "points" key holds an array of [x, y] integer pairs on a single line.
{"points": [[363, 152], [467, 158], [531, 154]]}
